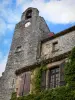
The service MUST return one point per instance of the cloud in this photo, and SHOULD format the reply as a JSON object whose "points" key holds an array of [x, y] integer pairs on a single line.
{"points": [[57, 12], [2, 27], [6, 41], [9, 15], [0, 74], [1, 55], [10, 26], [21, 2]]}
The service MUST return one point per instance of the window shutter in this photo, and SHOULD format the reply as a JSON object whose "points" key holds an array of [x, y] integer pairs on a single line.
{"points": [[62, 82], [43, 80], [27, 83], [24, 84], [21, 85]]}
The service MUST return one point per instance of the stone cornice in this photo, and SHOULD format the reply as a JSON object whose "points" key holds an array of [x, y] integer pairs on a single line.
{"points": [[46, 61]]}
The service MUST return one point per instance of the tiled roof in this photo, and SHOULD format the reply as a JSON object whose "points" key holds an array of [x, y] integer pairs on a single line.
{"points": [[51, 34]]}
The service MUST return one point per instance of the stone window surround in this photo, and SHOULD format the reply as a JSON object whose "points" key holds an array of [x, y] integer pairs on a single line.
{"points": [[50, 66], [54, 48]]}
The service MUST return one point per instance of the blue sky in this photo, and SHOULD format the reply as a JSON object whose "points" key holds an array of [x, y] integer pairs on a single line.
{"points": [[59, 15]]}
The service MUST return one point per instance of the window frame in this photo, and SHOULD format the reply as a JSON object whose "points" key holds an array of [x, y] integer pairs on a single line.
{"points": [[54, 49], [54, 77]]}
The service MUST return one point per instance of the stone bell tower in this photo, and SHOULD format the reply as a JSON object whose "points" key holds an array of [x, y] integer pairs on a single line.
{"points": [[27, 36], [25, 48]]}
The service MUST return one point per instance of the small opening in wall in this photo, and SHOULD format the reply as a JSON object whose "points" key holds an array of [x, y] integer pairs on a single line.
{"points": [[18, 49], [55, 46]]}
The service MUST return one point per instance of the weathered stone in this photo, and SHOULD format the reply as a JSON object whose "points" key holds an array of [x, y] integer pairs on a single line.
{"points": [[65, 44], [23, 51], [28, 49]]}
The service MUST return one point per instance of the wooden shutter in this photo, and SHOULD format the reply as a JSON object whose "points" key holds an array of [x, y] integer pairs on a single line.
{"points": [[24, 84], [27, 83], [43, 80], [62, 82], [21, 84]]}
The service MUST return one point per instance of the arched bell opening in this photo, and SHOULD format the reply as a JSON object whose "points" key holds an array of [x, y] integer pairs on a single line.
{"points": [[28, 14]]}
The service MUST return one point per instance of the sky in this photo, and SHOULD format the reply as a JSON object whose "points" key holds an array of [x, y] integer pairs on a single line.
{"points": [[58, 14]]}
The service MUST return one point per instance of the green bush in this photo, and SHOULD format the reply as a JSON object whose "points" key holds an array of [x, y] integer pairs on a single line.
{"points": [[13, 96], [38, 78], [70, 70], [60, 93]]}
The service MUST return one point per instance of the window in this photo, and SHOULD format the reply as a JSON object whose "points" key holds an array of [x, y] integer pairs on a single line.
{"points": [[29, 14], [54, 77], [55, 46], [18, 49]]}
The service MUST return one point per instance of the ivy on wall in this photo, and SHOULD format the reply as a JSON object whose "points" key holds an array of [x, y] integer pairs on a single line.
{"points": [[36, 81], [38, 78], [60, 93], [70, 70], [66, 92]]}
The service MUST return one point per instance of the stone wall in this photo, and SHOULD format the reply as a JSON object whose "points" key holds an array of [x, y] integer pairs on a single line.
{"points": [[65, 43]]}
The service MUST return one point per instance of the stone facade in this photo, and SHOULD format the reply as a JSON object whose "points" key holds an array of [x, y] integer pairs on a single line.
{"points": [[64, 44], [31, 45]]}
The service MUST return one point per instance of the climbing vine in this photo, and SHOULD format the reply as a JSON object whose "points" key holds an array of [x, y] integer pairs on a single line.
{"points": [[70, 70], [38, 74], [59, 93]]}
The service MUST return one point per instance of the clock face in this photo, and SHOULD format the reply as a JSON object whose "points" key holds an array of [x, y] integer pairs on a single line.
{"points": [[27, 24]]}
